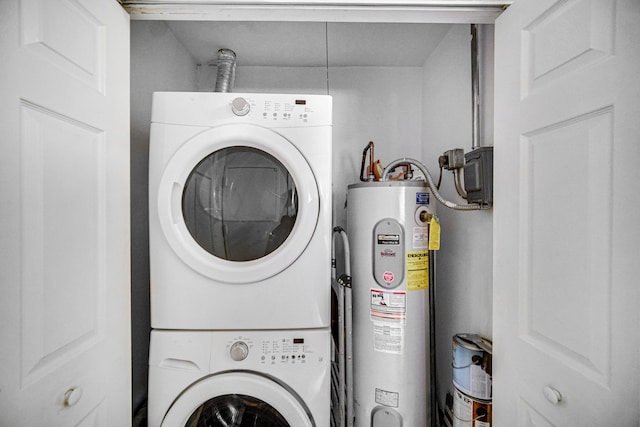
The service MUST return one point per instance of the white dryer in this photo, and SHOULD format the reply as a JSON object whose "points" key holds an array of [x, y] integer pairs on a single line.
{"points": [[240, 211], [239, 378]]}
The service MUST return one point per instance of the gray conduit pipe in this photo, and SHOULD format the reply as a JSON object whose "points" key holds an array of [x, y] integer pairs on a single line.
{"points": [[457, 179], [434, 189]]}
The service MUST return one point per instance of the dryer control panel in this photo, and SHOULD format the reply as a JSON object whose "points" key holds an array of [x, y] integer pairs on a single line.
{"points": [[265, 109], [300, 110]]}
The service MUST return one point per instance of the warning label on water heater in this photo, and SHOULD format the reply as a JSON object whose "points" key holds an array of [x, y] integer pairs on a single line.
{"points": [[387, 398], [388, 315], [388, 337], [417, 270], [388, 305]]}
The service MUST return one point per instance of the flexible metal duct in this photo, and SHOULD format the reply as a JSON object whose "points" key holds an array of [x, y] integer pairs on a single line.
{"points": [[226, 70]]}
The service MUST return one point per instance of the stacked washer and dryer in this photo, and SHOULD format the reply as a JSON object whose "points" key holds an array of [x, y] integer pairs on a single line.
{"points": [[240, 251]]}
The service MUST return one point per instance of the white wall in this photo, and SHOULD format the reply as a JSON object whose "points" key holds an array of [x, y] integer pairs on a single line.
{"points": [[266, 79], [464, 262], [158, 62], [380, 104]]}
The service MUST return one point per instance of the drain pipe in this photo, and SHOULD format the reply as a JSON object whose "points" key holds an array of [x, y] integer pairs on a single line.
{"points": [[226, 70]]}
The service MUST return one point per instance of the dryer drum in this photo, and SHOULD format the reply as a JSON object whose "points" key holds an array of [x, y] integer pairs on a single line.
{"points": [[240, 203]]}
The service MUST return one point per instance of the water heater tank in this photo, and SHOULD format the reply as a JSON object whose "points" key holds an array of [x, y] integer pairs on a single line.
{"points": [[388, 226]]}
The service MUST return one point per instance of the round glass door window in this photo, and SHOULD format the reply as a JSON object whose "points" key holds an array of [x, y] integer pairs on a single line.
{"points": [[236, 410], [240, 204]]}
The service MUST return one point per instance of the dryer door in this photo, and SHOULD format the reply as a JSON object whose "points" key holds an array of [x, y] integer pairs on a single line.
{"points": [[239, 399], [238, 203]]}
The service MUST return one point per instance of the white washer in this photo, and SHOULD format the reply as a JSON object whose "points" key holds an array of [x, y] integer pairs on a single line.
{"points": [[281, 378], [240, 211]]}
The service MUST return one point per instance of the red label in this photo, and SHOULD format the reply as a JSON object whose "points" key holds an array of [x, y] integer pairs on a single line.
{"points": [[388, 276]]}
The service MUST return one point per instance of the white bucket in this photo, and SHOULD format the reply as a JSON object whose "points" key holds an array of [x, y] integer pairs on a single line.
{"points": [[472, 365], [470, 412]]}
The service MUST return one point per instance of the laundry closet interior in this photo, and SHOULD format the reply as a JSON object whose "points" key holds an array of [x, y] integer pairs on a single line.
{"points": [[401, 80]]}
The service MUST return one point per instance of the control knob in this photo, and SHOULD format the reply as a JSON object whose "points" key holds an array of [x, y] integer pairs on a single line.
{"points": [[239, 351], [240, 107]]}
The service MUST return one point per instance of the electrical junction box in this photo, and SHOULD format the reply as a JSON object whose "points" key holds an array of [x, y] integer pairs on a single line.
{"points": [[478, 176]]}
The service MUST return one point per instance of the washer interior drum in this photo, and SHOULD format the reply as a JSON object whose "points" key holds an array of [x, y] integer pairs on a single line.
{"points": [[238, 203], [236, 410], [238, 399]]}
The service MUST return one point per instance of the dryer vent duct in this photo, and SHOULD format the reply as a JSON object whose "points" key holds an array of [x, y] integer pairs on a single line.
{"points": [[226, 70]]}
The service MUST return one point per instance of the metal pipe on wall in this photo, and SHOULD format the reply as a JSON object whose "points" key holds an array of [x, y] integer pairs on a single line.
{"points": [[482, 43], [475, 89]]}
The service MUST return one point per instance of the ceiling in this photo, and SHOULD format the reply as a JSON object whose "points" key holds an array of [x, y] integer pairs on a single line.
{"points": [[311, 44]]}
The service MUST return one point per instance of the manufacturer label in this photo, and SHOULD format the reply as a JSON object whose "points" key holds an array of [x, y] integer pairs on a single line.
{"points": [[387, 398], [420, 237], [388, 253], [422, 198], [388, 239]]}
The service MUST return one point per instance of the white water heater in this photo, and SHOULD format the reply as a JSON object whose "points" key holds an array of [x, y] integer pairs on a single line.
{"points": [[391, 267]]}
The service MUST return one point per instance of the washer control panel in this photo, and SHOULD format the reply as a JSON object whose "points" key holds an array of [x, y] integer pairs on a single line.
{"points": [[273, 350], [285, 350]]}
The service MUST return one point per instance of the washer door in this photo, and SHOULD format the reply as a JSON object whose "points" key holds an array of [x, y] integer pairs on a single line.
{"points": [[240, 399], [238, 203]]}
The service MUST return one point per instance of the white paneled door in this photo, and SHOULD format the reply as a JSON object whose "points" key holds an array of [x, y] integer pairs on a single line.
{"points": [[64, 223], [566, 269]]}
